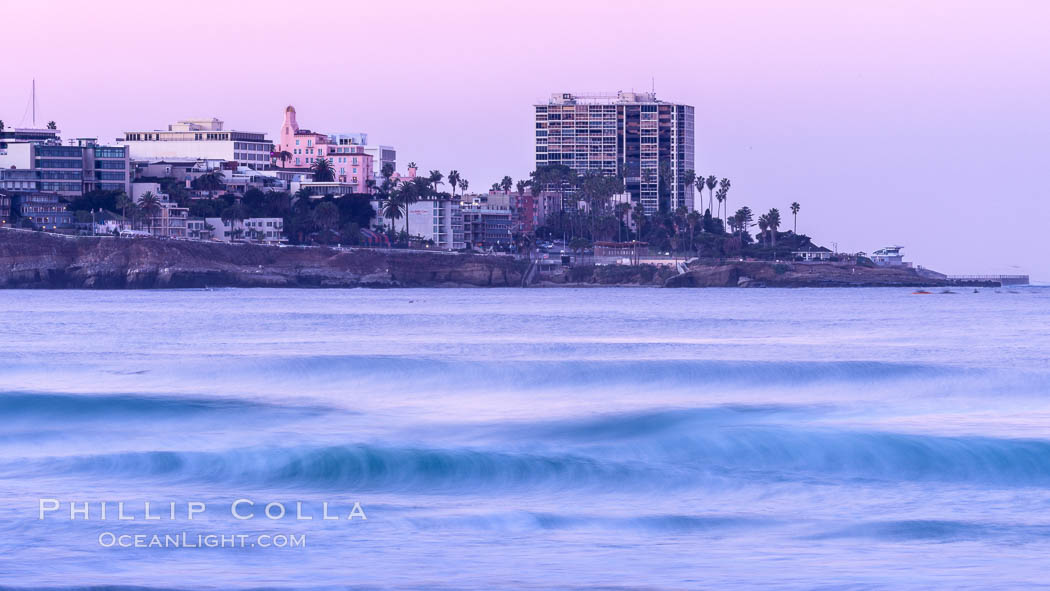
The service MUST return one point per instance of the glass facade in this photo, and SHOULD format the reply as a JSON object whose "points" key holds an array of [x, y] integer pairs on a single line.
{"points": [[110, 152]]}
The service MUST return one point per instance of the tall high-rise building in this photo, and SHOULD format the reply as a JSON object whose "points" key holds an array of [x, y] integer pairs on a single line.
{"points": [[648, 141]]}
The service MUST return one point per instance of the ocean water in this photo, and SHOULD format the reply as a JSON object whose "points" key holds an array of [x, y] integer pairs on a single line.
{"points": [[527, 439]]}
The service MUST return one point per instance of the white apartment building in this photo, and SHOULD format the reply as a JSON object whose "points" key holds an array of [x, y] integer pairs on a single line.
{"points": [[261, 230], [197, 230], [171, 220], [265, 230], [204, 139], [438, 220]]}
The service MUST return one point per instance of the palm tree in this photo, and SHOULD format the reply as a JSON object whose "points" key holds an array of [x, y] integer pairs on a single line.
{"points": [[692, 218], [149, 204], [711, 182], [326, 216], [521, 186], [794, 211], [463, 184], [410, 193], [677, 221], [743, 219], [1, 125], [283, 156], [723, 187], [133, 215], [638, 215], [435, 179], [231, 215], [52, 125], [323, 171], [763, 225], [506, 184], [123, 201], [622, 209], [210, 181], [700, 184], [453, 181], [688, 178], [773, 218], [392, 210]]}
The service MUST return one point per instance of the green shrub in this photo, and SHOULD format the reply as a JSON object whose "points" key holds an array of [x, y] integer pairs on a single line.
{"points": [[581, 273]]}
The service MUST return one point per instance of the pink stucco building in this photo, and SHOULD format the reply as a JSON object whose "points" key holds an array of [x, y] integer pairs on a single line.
{"points": [[304, 147]]}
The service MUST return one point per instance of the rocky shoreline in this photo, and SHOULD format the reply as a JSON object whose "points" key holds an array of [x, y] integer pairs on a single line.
{"points": [[768, 274], [47, 261]]}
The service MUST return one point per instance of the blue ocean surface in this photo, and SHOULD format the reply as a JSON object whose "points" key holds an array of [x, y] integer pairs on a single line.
{"points": [[539, 439]]}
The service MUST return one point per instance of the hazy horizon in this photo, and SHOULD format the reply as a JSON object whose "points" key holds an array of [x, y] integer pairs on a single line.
{"points": [[924, 125]]}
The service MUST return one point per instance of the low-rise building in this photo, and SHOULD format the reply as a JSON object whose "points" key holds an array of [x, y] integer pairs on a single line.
{"points": [[180, 169], [486, 227], [812, 255], [198, 229], [169, 220], [43, 210], [20, 180], [70, 170], [319, 189], [262, 230], [108, 222], [204, 139], [889, 256], [240, 179], [265, 230]]}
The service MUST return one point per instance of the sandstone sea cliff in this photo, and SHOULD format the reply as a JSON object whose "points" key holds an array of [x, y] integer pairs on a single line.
{"points": [[40, 260], [48, 261]]}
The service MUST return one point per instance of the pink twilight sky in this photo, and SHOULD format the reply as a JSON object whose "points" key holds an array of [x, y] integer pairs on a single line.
{"points": [[925, 124]]}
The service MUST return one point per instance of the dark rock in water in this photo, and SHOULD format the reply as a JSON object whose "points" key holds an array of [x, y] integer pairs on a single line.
{"points": [[769, 274], [40, 260], [717, 276]]}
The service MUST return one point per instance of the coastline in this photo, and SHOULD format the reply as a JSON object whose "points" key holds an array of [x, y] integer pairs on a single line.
{"points": [[40, 260]]}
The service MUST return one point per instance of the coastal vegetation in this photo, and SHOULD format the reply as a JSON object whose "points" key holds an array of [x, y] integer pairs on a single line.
{"points": [[593, 208], [582, 210]]}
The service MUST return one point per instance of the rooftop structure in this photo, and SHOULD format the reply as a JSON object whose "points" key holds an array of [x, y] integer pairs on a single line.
{"points": [[34, 135]]}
